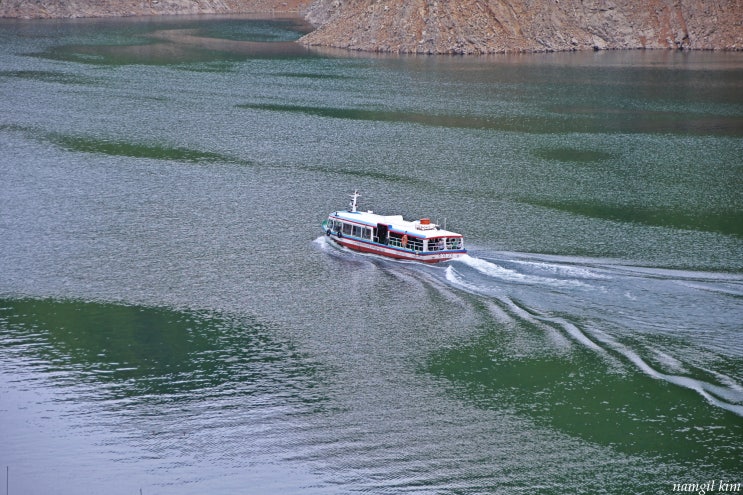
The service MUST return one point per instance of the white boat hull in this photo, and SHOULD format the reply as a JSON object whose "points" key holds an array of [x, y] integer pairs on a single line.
{"points": [[364, 246], [392, 236]]}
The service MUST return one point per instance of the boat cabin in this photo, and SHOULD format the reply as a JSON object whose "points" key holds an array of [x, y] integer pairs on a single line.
{"points": [[393, 236]]}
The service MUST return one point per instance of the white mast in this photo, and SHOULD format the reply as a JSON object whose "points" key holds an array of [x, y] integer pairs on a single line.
{"points": [[353, 205]]}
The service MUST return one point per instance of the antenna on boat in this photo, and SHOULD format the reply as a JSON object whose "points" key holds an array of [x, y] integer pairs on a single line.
{"points": [[353, 204]]}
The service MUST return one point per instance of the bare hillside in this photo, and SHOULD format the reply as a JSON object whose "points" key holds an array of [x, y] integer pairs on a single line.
{"points": [[496, 26], [458, 26], [31, 9]]}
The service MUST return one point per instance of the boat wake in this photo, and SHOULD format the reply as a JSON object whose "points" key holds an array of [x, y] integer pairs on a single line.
{"points": [[655, 321], [525, 272]]}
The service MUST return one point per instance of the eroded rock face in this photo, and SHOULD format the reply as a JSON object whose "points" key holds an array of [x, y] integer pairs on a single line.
{"points": [[458, 26], [498, 26], [32, 9]]}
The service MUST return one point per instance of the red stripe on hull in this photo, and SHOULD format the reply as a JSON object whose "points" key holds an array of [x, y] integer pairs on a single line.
{"points": [[393, 253]]}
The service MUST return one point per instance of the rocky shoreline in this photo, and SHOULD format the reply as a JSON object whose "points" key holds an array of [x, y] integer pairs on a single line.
{"points": [[51, 9], [456, 27], [503, 26]]}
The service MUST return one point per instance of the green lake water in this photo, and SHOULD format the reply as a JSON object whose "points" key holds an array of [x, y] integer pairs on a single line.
{"points": [[172, 319]]}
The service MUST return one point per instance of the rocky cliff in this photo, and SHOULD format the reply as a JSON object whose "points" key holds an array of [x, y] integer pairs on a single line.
{"points": [[498, 26], [458, 26], [31, 9]]}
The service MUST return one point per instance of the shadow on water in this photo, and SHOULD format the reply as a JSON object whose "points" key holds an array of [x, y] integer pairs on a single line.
{"points": [[587, 397], [134, 150], [573, 155], [720, 221], [216, 40], [113, 147], [554, 123], [182, 50], [51, 77], [602, 371], [118, 351]]}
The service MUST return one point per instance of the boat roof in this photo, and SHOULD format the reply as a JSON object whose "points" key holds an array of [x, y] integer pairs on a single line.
{"points": [[396, 223]]}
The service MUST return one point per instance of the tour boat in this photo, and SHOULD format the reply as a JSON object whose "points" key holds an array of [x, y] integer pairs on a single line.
{"points": [[392, 236]]}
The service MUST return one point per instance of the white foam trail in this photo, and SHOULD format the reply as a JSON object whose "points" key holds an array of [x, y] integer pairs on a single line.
{"points": [[498, 314], [669, 361], [546, 323], [728, 381], [558, 338], [575, 332], [567, 270], [494, 270], [568, 327], [726, 393], [488, 268], [320, 241], [729, 290], [455, 278], [710, 392]]}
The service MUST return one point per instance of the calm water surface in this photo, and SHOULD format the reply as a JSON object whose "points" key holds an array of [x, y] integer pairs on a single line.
{"points": [[172, 320]]}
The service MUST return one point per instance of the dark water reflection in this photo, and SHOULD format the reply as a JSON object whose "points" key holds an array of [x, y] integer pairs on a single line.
{"points": [[181, 40], [562, 120], [135, 352], [588, 397]]}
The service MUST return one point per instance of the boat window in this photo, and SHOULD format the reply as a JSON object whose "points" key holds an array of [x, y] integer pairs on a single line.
{"points": [[437, 244], [454, 243], [357, 231], [415, 244], [347, 229], [366, 233]]}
